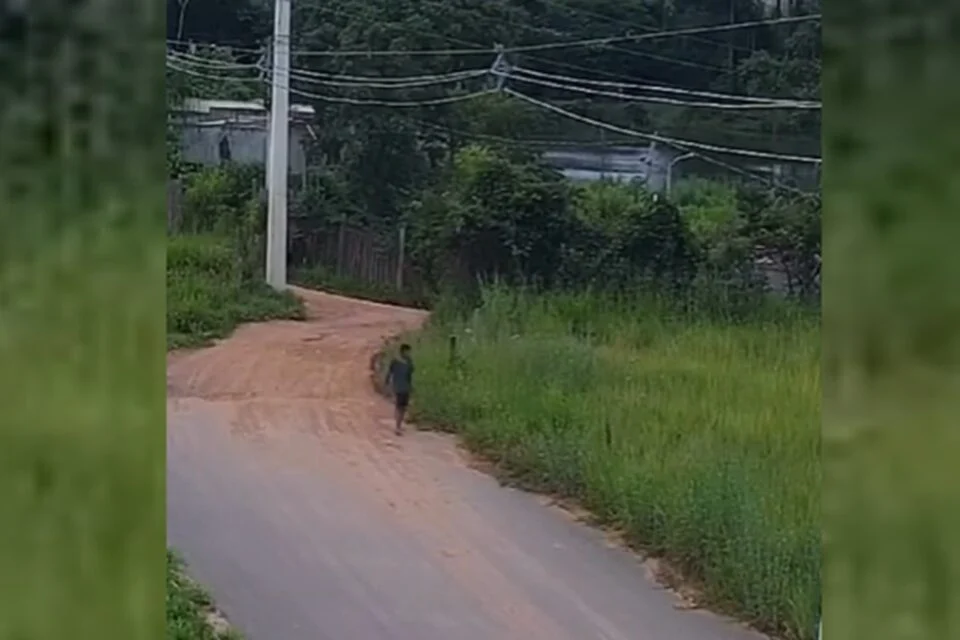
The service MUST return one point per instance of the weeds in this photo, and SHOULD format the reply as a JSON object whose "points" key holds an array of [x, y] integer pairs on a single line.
{"points": [[189, 607], [699, 438], [208, 296]]}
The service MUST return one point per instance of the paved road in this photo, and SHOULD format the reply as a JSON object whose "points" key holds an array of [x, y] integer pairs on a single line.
{"points": [[291, 499]]}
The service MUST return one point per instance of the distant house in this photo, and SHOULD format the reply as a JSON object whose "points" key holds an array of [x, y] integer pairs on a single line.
{"points": [[659, 167], [649, 165], [217, 131]]}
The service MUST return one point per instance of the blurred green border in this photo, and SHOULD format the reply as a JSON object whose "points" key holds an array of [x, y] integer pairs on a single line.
{"points": [[82, 344], [891, 318]]}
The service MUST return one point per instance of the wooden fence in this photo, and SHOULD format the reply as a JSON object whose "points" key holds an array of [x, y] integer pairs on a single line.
{"points": [[348, 252]]}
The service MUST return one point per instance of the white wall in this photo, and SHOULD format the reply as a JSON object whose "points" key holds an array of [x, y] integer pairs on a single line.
{"points": [[200, 143]]}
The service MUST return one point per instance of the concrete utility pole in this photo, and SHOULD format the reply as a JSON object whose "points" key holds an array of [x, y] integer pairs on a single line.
{"points": [[278, 153]]}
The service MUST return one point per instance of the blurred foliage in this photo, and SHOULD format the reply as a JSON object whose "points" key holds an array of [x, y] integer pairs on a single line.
{"points": [[891, 345], [82, 431]]}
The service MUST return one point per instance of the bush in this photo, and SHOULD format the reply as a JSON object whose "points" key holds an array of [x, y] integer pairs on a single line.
{"points": [[625, 236], [491, 217], [208, 295], [499, 217]]}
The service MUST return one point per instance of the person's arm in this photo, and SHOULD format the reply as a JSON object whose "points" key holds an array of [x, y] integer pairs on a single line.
{"points": [[389, 377]]}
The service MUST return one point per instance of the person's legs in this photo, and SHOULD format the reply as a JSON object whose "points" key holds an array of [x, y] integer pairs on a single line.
{"points": [[400, 411]]}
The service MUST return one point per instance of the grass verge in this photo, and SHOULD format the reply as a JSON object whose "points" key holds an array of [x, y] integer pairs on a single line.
{"points": [[208, 296], [699, 439], [190, 611]]}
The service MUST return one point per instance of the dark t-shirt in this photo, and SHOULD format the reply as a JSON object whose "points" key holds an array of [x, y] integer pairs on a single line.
{"points": [[401, 375]]}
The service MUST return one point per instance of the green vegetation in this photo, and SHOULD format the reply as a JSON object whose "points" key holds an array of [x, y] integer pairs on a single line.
{"points": [[82, 435], [207, 297], [189, 608], [215, 260], [891, 328], [699, 438]]}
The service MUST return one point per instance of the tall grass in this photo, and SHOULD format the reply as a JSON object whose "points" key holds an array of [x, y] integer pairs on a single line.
{"points": [[208, 294], [699, 438]]}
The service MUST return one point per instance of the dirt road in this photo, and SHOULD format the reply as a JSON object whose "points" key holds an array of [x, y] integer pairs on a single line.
{"points": [[290, 498]]}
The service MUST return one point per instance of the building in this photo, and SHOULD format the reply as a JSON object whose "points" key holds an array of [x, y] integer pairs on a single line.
{"points": [[651, 165], [217, 131], [659, 167]]}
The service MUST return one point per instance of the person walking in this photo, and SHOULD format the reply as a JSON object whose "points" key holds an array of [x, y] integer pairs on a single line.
{"points": [[400, 381]]}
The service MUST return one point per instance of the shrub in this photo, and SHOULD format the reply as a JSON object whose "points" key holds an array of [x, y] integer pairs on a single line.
{"points": [[208, 295]]}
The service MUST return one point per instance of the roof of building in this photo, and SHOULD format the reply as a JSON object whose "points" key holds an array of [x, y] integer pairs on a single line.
{"points": [[203, 106]]}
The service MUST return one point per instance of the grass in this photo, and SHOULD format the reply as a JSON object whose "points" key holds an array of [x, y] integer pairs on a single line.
{"points": [[189, 607], [699, 439], [82, 459], [207, 295]]}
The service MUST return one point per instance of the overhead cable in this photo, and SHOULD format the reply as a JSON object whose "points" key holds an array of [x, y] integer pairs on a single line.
{"points": [[687, 145], [665, 89], [427, 102], [210, 76], [630, 25], [717, 28], [211, 63], [371, 82], [659, 100], [690, 31]]}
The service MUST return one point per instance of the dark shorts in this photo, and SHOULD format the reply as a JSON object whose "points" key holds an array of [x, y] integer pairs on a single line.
{"points": [[402, 400]]}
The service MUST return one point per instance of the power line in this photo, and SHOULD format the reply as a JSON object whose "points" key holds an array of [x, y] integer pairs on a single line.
{"points": [[686, 145], [429, 102], [717, 28], [659, 100], [630, 25], [193, 43], [368, 82], [209, 76], [339, 99], [629, 52], [213, 63], [690, 31], [679, 143], [665, 89], [337, 80], [386, 53]]}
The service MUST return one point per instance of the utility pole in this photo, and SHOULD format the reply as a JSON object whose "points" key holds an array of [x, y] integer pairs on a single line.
{"points": [[278, 154]]}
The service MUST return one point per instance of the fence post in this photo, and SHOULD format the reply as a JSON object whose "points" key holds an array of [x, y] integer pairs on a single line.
{"points": [[401, 250], [340, 248]]}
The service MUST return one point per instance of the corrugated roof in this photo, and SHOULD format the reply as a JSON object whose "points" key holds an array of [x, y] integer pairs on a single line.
{"points": [[198, 105]]}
